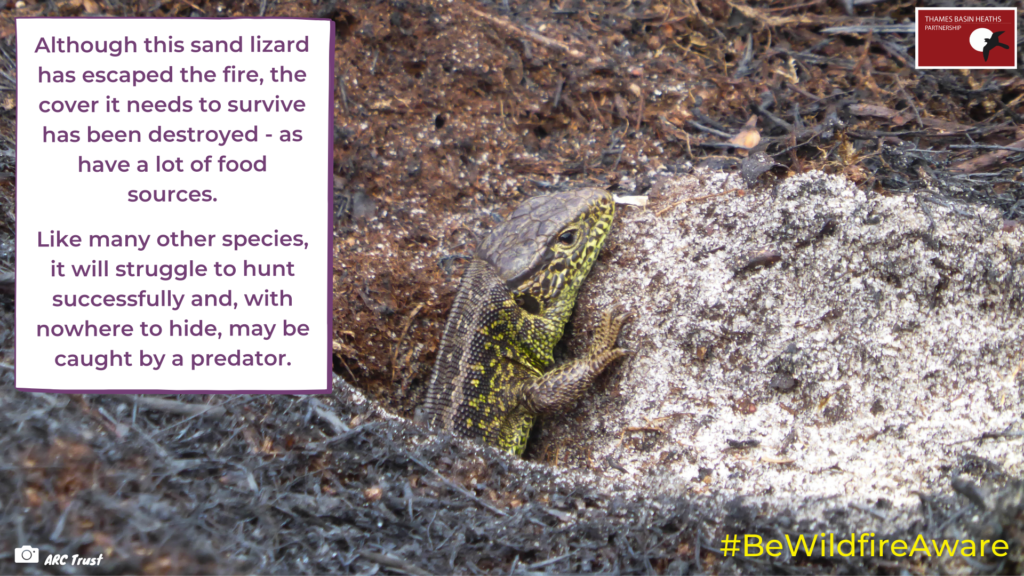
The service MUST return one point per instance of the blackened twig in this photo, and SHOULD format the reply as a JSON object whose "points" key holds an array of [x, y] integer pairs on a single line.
{"points": [[709, 130], [394, 562], [182, 408], [970, 490], [985, 147]]}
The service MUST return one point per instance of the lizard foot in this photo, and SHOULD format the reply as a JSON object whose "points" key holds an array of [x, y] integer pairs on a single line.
{"points": [[608, 331]]}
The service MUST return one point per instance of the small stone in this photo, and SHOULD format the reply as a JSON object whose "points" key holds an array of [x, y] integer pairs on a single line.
{"points": [[678, 567], [782, 382], [363, 207], [754, 165]]}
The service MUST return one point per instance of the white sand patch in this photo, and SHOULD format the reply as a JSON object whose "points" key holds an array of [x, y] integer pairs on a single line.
{"points": [[899, 320]]}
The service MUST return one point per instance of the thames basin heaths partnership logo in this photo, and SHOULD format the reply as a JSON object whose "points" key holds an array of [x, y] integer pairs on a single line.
{"points": [[984, 38]]}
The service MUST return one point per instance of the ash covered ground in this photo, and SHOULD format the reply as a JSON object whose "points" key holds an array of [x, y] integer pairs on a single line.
{"points": [[806, 345]]}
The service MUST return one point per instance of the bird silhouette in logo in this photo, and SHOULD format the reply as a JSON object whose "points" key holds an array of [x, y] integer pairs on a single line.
{"points": [[993, 42]]}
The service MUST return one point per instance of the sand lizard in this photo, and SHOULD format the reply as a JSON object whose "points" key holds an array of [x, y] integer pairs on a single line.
{"points": [[491, 377]]}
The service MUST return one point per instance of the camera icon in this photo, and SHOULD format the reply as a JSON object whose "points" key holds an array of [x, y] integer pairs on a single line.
{"points": [[26, 555]]}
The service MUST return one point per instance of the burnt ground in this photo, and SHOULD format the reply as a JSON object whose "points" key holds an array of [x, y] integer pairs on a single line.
{"points": [[448, 114], [452, 113]]}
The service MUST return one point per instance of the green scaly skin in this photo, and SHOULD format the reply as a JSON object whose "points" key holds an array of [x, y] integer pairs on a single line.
{"points": [[491, 378]]}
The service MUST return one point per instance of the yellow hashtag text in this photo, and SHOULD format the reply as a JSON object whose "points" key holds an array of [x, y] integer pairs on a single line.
{"points": [[865, 545]]}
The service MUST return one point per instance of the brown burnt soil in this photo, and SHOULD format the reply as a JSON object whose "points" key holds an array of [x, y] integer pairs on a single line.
{"points": [[446, 121], [448, 114]]}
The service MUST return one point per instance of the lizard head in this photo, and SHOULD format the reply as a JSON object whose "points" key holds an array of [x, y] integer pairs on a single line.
{"points": [[546, 247]]}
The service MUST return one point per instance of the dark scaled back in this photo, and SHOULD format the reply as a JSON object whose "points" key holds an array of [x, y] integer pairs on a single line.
{"points": [[518, 247]]}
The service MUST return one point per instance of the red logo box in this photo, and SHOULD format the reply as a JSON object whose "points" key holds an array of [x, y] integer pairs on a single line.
{"points": [[971, 38]]}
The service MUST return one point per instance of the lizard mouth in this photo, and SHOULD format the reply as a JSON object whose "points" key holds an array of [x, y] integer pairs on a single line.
{"points": [[529, 303]]}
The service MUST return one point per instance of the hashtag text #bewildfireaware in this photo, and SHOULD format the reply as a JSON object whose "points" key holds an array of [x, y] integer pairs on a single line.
{"points": [[827, 545]]}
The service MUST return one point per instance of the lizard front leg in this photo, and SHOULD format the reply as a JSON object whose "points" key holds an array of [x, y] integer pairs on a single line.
{"points": [[560, 388]]}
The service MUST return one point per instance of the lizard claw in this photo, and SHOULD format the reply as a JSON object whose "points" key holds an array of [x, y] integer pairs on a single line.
{"points": [[616, 353], [611, 324]]}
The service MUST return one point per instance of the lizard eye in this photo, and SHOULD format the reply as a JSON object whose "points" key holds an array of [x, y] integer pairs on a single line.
{"points": [[567, 238]]}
